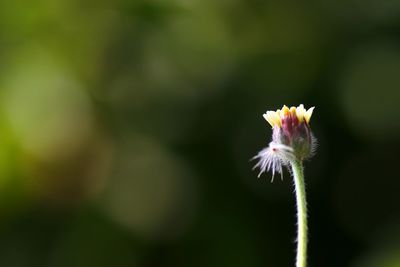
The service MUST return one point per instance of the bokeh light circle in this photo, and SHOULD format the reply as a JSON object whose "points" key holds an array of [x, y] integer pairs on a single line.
{"points": [[151, 191], [46, 106]]}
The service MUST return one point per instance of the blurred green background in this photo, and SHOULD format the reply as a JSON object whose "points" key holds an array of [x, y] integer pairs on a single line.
{"points": [[126, 129]]}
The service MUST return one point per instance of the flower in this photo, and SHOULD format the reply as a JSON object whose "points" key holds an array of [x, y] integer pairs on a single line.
{"points": [[292, 139], [298, 115]]}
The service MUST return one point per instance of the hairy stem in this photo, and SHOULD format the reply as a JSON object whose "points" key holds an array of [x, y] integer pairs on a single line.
{"points": [[298, 176]]}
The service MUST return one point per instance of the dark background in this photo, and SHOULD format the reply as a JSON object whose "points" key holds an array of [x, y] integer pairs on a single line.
{"points": [[126, 129]]}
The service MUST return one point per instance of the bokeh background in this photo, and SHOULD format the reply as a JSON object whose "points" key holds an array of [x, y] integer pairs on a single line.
{"points": [[126, 129]]}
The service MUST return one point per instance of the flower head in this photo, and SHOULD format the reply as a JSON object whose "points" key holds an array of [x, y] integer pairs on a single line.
{"points": [[282, 116], [292, 138]]}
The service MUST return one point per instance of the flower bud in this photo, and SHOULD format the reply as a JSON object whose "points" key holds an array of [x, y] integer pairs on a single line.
{"points": [[291, 128], [292, 138]]}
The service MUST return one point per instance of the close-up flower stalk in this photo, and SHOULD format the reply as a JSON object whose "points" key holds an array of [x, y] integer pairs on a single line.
{"points": [[292, 143]]}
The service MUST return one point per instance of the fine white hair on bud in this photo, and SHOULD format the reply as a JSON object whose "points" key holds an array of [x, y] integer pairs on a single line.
{"points": [[314, 146], [273, 158]]}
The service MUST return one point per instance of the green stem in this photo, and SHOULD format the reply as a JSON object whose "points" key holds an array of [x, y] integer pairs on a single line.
{"points": [[298, 176]]}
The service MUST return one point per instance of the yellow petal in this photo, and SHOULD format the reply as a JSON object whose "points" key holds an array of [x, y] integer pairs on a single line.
{"points": [[272, 118], [293, 111], [269, 116], [300, 112], [276, 118], [285, 110], [268, 119], [279, 113], [308, 114]]}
